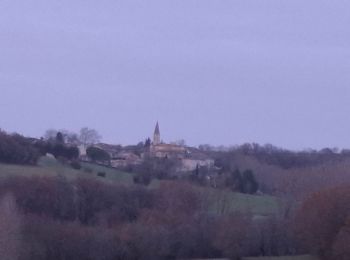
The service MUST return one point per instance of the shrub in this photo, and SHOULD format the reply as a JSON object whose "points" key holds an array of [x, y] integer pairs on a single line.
{"points": [[61, 150], [142, 178], [75, 165], [98, 155], [101, 174]]}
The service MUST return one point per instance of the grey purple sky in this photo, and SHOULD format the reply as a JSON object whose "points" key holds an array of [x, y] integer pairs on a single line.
{"points": [[211, 71]]}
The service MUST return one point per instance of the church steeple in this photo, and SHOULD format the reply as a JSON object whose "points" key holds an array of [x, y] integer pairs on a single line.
{"points": [[156, 135]]}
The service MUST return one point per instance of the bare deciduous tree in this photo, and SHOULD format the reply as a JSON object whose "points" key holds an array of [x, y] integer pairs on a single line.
{"points": [[89, 136], [10, 229]]}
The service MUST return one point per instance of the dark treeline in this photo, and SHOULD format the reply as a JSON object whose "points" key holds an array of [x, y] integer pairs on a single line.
{"points": [[58, 147], [88, 219], [53, 218], [283, 158], [17, 149], [286, 173]]}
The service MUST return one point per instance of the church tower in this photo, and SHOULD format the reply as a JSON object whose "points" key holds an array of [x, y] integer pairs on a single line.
{"points": [[156, 135]]}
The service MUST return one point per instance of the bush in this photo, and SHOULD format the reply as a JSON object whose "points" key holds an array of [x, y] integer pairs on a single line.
{"points": [[60, 150], [142, 178], [98, 155], [75, 165], [101, 174]]}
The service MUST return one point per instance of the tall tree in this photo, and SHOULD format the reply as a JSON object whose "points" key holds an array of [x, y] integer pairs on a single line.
{"points": [[59, 138], [148, 142], [50, 134], [89, 136], [322, 222], [10, 228]]}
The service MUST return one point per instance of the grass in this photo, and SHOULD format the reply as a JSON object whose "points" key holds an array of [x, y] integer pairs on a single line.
{"points": [[7, 170], [300, 257], [51, 167], [112, 175], [220, 202], [224, 201]]}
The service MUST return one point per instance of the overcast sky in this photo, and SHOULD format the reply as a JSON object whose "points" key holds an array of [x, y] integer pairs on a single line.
{"points": [[211, 71]]}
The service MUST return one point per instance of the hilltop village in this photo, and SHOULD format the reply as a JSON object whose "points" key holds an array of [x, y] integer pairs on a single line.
{"points": [[119, 201], [187, 158]]}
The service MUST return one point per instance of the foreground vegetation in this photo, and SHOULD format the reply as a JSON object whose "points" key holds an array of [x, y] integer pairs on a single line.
{"points": [[51, 217], [121, 219]]}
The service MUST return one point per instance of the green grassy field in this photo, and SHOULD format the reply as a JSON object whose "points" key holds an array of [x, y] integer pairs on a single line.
{"points": [[222, 202], [51, 167], [112, 175], [301, 257]]}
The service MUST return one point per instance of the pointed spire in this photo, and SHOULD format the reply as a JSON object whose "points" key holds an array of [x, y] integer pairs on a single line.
{"points": [[156, 131], [156, 136]]}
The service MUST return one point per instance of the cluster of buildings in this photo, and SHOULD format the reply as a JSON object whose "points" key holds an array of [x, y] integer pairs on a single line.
{"points": [[188, 158]]}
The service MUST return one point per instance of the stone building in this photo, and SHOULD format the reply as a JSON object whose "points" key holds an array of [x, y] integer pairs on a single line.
{"points": [[189, 158], [124, 159], [159, 149]]}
